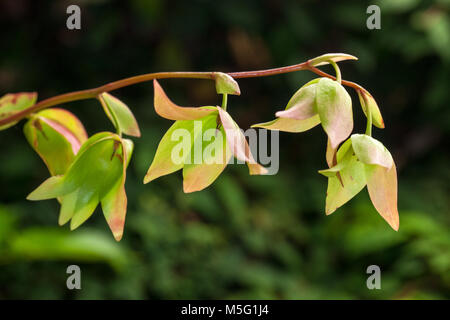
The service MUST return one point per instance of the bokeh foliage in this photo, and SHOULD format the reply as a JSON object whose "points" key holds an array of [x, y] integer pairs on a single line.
{"points": [[246, 236]]}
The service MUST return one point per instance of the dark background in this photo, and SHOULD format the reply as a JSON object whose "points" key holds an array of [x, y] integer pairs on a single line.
{"points": [[244, 237]]}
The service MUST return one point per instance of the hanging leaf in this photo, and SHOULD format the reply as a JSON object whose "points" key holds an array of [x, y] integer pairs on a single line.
{"points": [[13, 103], [238, 144], [367, 101], [215, 157], [202, 162], [56, 135], [371, 151], [353, 181], [325, 59], [295, 117], [334, 107], [167, 109], [163, 163], [80, 189], [301, 105], [226, 84], [382, 187], [120, 115]]}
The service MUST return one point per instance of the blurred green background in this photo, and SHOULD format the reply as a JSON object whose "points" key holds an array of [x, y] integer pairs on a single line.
{"points": [[244, 237]]}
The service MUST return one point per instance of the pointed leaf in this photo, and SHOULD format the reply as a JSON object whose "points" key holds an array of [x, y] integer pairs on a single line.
{"points": [[13, 103], [325, 58], [301, 105], [167, 109], [238, 144], [51, 188], [226, 84], [334, 106], [333, 171], [163, 162], [330, 155], [114, 206], [67, 210], [367, 101], [289, 125], [353, 181], [119, 114], [85, 206], [382, 186], [215, 157], [371, 151], [101, 159]]}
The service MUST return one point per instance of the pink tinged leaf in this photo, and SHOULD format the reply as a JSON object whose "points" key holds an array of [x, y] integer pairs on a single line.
{"points": [[367, 101], [71, 126], [382, 186], [226, 84], [216, 155], [325, 59], [114, 206], [13, 103], [371, 151], [334, 107], [301, 105], [120, 115], [167, 109], [353, 181], [330, 155], [238, 144], [56, 149], [289, 125], [114, 203]]}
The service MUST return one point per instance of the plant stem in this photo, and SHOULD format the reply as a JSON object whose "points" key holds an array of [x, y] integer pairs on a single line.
{"points": [[369, 119], [94, 92], [338, 71], [224, 101]]}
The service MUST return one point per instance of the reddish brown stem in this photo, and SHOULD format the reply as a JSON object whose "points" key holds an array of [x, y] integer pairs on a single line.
{"points": [[93, 93]]}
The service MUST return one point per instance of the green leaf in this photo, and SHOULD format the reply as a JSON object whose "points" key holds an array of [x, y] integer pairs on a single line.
{"points": [[353, 181], [56, 135], [52, 244], [215, 157], [371, 151], [325, 59], [167, 109], [163, 163], [334, 107], [382, 187], [226, 84], [367, 101], [119, 114], [101, 159], [13, 103]]}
